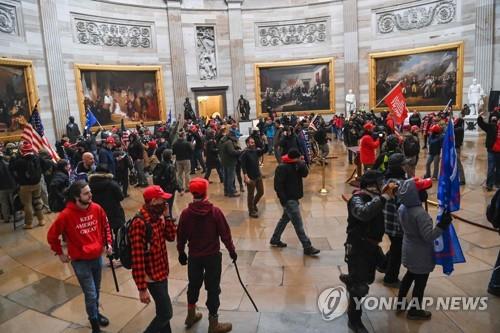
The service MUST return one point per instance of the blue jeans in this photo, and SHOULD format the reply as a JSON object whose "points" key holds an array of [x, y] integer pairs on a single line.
{"points": [[229, 178], [493, 177], [88, 273], [495, 277], [161, 322], [435, 172], [270, 144], [291, 212]]}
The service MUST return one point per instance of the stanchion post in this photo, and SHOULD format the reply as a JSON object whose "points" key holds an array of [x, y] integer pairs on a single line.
{"points": [[323, 190]]}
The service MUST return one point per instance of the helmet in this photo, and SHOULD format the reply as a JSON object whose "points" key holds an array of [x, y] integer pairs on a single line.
{"points": [[371, 177], [392, 142]]}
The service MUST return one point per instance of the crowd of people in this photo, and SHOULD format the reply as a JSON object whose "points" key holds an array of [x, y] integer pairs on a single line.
{"points": [[86, 187]]}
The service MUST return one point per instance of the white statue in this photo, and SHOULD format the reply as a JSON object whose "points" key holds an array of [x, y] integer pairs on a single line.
{"points": [[475, 95], [350, 102]]}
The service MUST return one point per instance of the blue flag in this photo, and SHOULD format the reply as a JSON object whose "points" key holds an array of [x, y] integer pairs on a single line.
{"points": [[91, 119], [447, 249]]}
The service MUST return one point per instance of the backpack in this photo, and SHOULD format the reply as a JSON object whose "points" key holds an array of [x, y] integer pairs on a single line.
{"points": [[411, 147], [33, 171], [492, 212], [123, 244], [159, 174]]}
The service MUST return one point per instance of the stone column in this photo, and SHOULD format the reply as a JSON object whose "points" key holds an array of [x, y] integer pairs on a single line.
{"points": [[237, 54], [58, 91], [485, 21], [178, 61], [351, 61]]}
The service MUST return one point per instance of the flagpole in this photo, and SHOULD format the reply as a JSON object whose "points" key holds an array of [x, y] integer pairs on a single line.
{"points": [[380, 102]]}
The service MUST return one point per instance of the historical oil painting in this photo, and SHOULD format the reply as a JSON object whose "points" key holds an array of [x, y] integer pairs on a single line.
{"points": [[430, 76]]}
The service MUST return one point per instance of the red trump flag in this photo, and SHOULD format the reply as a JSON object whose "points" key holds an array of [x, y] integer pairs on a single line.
{"points": [[397, 103]]}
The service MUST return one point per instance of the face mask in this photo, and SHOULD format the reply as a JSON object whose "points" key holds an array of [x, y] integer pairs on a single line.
{"points": [[156, 209]]}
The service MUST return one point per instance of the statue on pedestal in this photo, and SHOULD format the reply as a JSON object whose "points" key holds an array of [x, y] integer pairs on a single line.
{"points": [[475, 95], [244, 108], [188, 110], [350, 102]]}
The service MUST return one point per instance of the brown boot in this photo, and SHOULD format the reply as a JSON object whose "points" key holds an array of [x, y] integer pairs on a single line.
{"points": [[215, 327], [192, 317]]}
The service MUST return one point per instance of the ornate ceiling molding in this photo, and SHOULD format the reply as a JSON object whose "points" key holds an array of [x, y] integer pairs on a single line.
{"points": [[103, 31], [415, 15], [308, 31]]}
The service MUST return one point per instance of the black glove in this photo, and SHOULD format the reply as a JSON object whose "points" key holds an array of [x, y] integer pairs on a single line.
{"points": [[445, 221], [233, 255], [183, 259]]}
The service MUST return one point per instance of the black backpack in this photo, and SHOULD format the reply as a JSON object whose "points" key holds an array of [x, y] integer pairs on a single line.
{"points": [[159, 174], [492, 212], [411, 147], [123, 244], [33, 171]]}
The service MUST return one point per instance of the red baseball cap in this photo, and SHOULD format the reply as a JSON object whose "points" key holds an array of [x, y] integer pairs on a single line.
{"points": [[198, 186], [369, 126], [155, 192], [110, 140], [422, 183]]}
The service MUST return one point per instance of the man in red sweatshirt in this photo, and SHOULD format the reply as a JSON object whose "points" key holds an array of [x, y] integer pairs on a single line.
{"points": [[85, 227], [368, 146], [148, 233], [201, 225]]}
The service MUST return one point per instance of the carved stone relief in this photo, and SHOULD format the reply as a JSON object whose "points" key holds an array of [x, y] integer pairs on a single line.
{"points": [[206, 52], [293, 32], [417, 16], [10, 20], [111, 32]]}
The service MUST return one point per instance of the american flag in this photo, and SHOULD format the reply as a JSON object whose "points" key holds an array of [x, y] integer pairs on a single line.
{"points": [[33, 133]]}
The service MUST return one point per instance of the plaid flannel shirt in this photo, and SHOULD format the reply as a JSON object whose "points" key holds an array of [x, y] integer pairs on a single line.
{"points": [[150, 264], [391, 219]]}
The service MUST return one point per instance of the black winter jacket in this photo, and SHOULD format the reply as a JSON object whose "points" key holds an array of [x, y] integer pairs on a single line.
{"points": [[288, 181], [56, 188], [365, 217], [491, 132], [108, 194]]}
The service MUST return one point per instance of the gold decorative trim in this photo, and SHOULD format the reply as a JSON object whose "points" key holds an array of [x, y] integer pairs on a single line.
{"points": [[459, 46], [123, 68], [291, 63]]}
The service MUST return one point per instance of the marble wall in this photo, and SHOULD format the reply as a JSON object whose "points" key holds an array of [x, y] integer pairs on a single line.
{"points": [[352, 30]]}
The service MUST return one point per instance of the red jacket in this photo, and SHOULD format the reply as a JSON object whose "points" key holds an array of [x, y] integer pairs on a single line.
{"points": [[367, 147], [83, 229], [201, 225]]}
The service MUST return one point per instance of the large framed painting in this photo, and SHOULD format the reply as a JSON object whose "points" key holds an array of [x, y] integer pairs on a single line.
{"points": [[300, 86], [431, 76], [113, 93], [18, 96]]}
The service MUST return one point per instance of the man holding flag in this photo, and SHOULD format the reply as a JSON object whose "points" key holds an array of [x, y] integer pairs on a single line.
{"points": [[396, 101], [447, 248]]}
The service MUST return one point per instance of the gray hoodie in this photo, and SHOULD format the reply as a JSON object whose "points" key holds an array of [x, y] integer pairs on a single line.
{"points": [[418, 231]]}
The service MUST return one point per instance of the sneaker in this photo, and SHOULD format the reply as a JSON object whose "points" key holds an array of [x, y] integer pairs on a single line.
{"points": [[311, 251], [27, 226], [41, 223], [418, 315], [278, 244], [253, 214], [394, 284], [233, 195]]}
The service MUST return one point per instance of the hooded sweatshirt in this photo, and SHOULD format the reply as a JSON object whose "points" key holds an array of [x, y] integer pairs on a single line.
{"points": [[418, 231], [83, 229], [201, 225], [288, 179]]}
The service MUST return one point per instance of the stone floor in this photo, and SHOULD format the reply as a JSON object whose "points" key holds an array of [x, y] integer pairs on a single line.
{"points": [[40, 294]]}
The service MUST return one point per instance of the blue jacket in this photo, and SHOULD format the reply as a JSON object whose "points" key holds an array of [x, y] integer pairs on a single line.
{"points": [[435, 144], [106, 158]]}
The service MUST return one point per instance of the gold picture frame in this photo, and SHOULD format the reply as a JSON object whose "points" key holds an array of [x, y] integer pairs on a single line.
{"points": [[261, 67], [159, 89], [30, 93], [442, 86]]}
